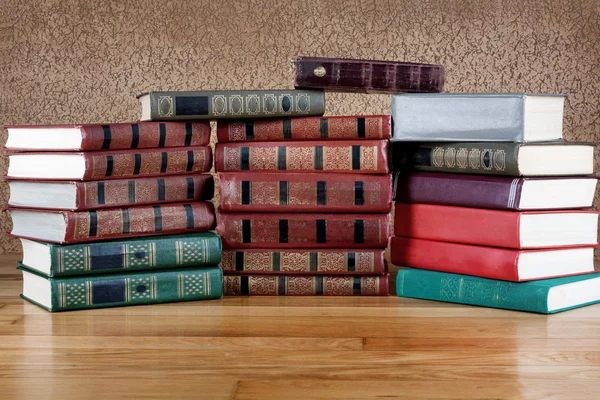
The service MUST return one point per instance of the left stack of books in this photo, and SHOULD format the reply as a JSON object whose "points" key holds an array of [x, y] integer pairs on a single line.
{"points": [[113, 215]]}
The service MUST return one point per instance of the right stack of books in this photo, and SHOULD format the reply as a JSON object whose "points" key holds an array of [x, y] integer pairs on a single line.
{"points": [[492, 206]]}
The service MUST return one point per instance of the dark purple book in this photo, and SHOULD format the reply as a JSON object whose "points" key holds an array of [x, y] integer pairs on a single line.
{"points": [[349, 75], [499, 192]]}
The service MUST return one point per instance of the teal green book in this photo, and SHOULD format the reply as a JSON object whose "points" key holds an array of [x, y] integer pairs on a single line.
{"points": [[546, 296], [113, 256], [134, 288]]}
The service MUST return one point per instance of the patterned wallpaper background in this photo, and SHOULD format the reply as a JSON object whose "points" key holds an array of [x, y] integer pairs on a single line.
{"points": [[84, 61]]}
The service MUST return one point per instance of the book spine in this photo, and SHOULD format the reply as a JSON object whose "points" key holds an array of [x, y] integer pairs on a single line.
{"points": [[368, 76], [298, 231], [236, 104], [354, 157], [137, 288], [129, 164], [144, 135], [282, 285], [372, 127], [348, 262], [140, 191], [463, 289], [489, 158], [165, 252], [282, 192], [116, 223]]}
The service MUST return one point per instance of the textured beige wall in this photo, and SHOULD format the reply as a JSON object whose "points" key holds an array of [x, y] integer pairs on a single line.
{"points": [[67, 61]]}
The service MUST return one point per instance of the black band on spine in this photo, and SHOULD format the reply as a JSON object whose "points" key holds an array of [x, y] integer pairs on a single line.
{"points": [[319, 285], [125, 216], [246, 231], [313, 261], [355, 157], [287, 128], [283, 231], [190, 188], [321, 231], [324, 128], [190, 161], [281, 158], [157, 218], [245, 158], [249, 130], [137, 164], [244, 285], [161, 189], [164, 162], [188, 134], [359, 193], [359, 231], [189, 216], [246, 192], [321, 193], [281, 285], [356, 285], [283, 193], [360, 127], [109, 166], [131, 187], [135, 136], [351, 262], [107, 137], [163, 135], [239, 260], [93, 224], [100, 188], [276, 261], [318, 158]]}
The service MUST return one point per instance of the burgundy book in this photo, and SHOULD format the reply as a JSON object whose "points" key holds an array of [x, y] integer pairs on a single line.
{"points": [[303, 261], [375, 127], [111, 223], [303, 231], [350, 75], [343, 156], [500, 192], [284, 192], [90, 137], [294, 285], [111, 164], [77, 195]]}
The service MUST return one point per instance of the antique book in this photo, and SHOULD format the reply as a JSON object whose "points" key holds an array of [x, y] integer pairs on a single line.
{"points": [[306, 285], [488, 158], [303, 231], [546, 296], [491, 262], [125, 289], [231, 104], [343, 156], [98, 165], [131, 254], [77, 195], [499, 192], [496, 228], [285, 192], [477, 117], [111, 223], [368, 76], [370, 127], [303, 261], [90, 137]]}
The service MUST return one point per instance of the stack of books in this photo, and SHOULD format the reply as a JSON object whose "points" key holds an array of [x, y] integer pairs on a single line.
{"points": [[493, 207], [110, 215]]}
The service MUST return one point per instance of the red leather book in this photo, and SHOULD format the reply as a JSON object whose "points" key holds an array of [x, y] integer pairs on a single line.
{"points": [[284, 192], [491, 262], [343, 156], [90, 137], [351, 75], [496, 228], [76, 195], [302, 261], [374, 127], [294, 285], [112, 223], [303, 231], [98, 165]]}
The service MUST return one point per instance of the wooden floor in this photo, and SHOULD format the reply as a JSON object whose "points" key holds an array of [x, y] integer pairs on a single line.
{"points": [[294, 348]]}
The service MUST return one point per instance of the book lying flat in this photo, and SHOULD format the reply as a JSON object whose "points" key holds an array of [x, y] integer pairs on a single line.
{"points": [[546, 296], [491, 262]]}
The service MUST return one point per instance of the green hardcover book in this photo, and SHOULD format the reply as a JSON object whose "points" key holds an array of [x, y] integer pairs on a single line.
{"points": [[134, 288], [546, 296], [144, 253]]}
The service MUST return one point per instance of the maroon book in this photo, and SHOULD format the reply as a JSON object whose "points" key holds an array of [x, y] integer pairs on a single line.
{"points": [[350, 75]]}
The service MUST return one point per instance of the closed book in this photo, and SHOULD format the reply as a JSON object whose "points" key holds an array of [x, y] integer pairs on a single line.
{"points": [[303, 261], [369, 127], [111, 223], [364, 76], [284, 192], [307, 285], [496, 228], [127, 289], [77, 195], [93, 137], [132, 254], [546, 296], [489, 158], [499, 192], [231, 104], [477, 117], [110, 164], [342, 156], [491, 262], [303, 231]]}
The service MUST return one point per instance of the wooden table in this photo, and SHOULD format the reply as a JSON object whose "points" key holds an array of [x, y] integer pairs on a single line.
{"points": [[294, 348]]}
